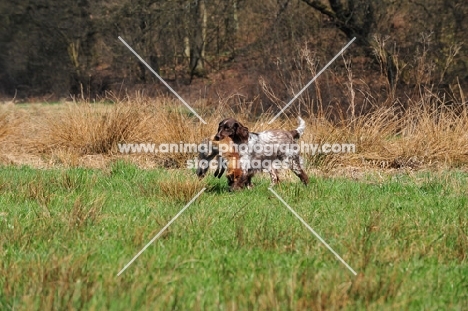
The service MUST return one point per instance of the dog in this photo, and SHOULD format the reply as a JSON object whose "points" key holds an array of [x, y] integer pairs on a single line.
{"points": [[252, 148]]}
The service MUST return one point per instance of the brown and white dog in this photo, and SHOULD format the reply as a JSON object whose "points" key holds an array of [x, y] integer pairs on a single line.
{"points": [[263, 147]]}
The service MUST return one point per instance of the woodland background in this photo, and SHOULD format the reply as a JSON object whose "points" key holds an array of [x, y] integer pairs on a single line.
{"points": [[260, 52]]}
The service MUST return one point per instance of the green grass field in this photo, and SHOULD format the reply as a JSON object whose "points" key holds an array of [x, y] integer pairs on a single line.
{"points": [[66, 233]]}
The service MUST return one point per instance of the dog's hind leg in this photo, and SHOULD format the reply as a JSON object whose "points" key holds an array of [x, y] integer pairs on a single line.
{"points": [[274, 176], [297, 169]]}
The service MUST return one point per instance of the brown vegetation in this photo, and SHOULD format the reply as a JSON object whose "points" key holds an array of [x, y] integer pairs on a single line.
{"points": [[428, 133]]}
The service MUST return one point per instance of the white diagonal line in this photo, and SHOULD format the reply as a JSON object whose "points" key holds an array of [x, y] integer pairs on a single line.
{"points": [[312, 230], [311, 81], [161, 79], [160, 232]]}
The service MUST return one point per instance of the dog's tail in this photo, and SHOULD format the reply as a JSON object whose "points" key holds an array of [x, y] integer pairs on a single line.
{"points": [[297, 133]]}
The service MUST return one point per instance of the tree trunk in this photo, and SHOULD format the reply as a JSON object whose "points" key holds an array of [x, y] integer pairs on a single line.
{"points": [[235, 16], [197, 45]]}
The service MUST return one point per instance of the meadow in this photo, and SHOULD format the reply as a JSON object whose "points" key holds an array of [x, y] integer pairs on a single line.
{"points": [[65, 234], [74, 212]]}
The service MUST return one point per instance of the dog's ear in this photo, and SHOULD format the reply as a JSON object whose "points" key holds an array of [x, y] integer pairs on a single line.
{"points": [[222, 122], [242, 133]]}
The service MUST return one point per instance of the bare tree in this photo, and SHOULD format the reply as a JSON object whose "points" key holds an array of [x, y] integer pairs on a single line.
{"points": [[197, 38], [355, 19]]}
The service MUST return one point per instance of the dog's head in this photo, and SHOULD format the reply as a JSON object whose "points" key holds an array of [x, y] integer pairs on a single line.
{"points": [[233, 129]]}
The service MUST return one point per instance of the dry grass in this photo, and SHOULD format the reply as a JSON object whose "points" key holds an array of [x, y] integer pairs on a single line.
{"points": [[86, 130], [181, 187], [9, 121], [419, 137], [427, 134], [4, 125]]}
